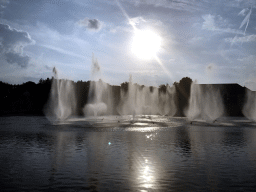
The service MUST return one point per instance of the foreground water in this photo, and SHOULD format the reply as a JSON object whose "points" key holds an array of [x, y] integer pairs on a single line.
{"points": [[81, 156]]}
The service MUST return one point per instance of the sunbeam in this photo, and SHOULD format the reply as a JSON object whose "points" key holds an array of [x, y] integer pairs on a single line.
{"points": [[146, 43]]}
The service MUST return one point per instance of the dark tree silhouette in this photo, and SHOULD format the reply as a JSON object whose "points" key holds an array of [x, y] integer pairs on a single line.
{"points": [[162, 88], [124, 86], [182, 95]]}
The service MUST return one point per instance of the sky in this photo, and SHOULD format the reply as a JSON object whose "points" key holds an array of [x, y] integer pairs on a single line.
{"points": [[211, 41]]}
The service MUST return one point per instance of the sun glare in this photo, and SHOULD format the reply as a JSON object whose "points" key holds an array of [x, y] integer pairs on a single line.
{"points": [[146, 44]]}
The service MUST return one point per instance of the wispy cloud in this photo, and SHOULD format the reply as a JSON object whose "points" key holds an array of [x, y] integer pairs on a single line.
{"points": [[63, 51], [175, 4], [72, 45], [194, 5], [218, 24], [242, 13], [243, 39], [4, 1], [3, 5], [246, 20], [196, 40], [136, 20]]}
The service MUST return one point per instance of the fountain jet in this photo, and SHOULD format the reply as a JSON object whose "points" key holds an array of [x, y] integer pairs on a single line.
{"points": [[142, 100], [62, 101], [205, 103], [97, 105]]}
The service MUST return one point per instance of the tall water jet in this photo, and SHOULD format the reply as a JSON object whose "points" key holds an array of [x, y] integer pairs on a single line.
{"points": [[97, 105], [127, 102], [195, 102], [249, 109], [166, 101], [142, 100], [205, 102], [62, 101]]}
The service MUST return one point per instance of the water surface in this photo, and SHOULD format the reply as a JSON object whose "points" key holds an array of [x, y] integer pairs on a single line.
{"points": [[38, 156]]}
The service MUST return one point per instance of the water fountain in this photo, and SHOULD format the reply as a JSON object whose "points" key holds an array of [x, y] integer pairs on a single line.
{"points": [[135, 101], [205, 103], [96, 106], [62, 101], [142, 100]]}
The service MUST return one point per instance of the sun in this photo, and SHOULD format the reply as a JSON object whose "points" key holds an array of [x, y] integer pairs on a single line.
{"points": [[146, 44]]}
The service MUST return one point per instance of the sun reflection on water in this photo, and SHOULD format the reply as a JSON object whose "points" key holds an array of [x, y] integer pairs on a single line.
{"points": [[146, 177], [151, 136]]}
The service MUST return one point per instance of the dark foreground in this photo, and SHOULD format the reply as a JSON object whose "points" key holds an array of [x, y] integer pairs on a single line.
{"points": [[148, 155]]}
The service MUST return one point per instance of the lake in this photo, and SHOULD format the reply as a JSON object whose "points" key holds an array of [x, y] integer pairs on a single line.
{"points": [[177, 156]]}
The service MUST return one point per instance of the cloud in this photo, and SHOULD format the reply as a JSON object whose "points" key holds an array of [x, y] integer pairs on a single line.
{"points": [[175, 4], [209, 22], [12, 42], [231, 55], [3, 4], [136, 21], [243, 39], [218, 24], [242, 13], [140, 22], [248, 60], [12, 39], [91, 24], [239, 3], [18, 59], [63, 51], [4, 1], [195, 5], [196, 40]]}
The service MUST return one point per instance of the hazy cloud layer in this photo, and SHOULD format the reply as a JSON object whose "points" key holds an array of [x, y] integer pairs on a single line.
{"points": [[3, 4], [175, 4], [195, 5], [200, 38]]}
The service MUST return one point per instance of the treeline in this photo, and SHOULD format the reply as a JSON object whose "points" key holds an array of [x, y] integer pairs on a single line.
{"points": [[26, 99], [30, 98]]}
